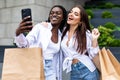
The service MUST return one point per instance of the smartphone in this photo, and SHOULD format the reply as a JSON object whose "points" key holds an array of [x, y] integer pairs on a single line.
{"points": [[27, 12]]}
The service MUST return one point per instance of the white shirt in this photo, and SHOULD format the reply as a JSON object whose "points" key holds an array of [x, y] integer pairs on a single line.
{"points": [[70, 53], [40, 36]]}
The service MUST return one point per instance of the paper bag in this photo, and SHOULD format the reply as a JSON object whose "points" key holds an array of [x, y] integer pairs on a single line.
{"points": [[110, 67], [23, 64]]}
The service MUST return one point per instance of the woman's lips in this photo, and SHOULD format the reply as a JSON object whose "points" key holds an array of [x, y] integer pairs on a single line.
{"points": [[70, 19]]}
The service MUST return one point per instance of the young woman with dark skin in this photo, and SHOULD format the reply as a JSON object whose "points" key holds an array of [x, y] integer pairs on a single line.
{"points": [[79, 45], [47, 38]]}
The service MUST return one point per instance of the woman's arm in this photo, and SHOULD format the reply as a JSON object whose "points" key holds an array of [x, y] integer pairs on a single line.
{"points": [[92, 42], [95, 36], [30, 39]]}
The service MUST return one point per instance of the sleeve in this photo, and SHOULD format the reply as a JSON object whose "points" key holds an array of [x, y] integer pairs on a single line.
{"points": [[30, 39], [21, 41], [91, 50]]}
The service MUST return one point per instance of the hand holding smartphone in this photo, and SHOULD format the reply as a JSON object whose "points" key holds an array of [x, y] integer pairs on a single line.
{"points": [[27, 17]]}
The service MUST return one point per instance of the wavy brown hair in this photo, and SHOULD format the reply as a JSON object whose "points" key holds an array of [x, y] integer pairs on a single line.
{"points": [[80, 32]]}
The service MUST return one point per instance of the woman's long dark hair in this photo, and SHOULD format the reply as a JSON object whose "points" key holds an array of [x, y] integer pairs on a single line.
{"points": [[62, 25], [80, 30]]}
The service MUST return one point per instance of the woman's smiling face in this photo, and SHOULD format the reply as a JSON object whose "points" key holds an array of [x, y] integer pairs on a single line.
{"points": [[56, 16], [74, 16]]}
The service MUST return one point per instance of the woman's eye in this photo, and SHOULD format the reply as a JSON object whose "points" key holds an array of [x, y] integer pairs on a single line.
{"points": [[76, 14], [58, 13], [51, 13], [70, 11]]}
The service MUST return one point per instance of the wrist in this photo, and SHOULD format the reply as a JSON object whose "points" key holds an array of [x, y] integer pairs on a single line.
{"points": [[94, 43]]}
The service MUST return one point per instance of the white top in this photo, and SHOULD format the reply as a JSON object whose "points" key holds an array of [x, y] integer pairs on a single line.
{"points": [[40, 36], [52, 49], [70, 53]]}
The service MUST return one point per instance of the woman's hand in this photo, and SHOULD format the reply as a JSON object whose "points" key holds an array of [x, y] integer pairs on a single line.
{"points": [[95, 33], [95, 36], [24, 26]]}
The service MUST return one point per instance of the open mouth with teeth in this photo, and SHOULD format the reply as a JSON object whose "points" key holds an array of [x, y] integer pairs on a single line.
{"points": [[54, 18]]}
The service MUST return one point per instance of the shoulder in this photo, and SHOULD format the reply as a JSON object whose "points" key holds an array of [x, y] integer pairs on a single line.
{"points": [[41, 26], [38, 25]]}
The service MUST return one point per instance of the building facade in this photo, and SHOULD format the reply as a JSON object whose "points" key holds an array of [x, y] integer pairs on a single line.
{"points": [[10, 14]]}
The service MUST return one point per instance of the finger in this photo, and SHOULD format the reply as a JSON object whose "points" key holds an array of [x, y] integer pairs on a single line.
{"points": [[95, 31], [25, 23], [26, 18], [25, 28]]}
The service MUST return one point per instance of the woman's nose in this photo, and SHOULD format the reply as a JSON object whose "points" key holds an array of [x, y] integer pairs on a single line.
{"points": [[70, 14], [54, 13]]}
